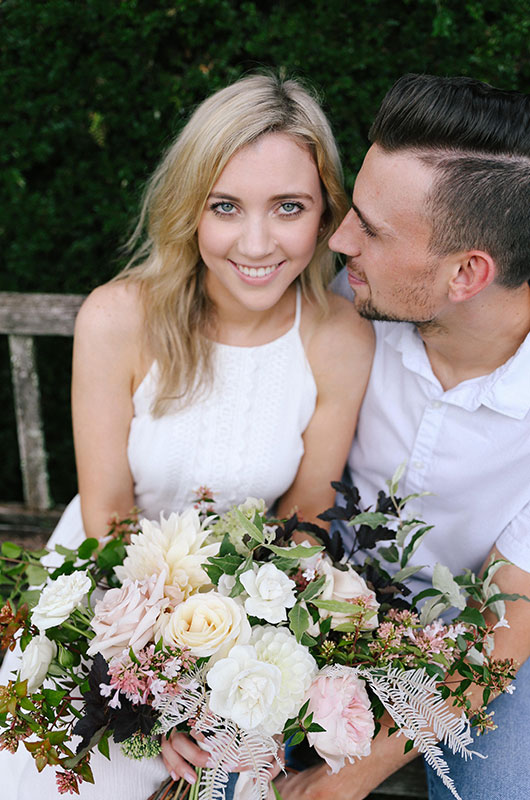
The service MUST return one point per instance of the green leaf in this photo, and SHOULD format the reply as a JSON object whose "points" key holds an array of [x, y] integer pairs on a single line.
{"points": [[315, 728], [228, 564], [252, 530], [371, 518], [505, 596], [31, 597], [312, 589], [53, 696], [214, 572], [406, 572], [11, 550], [390, 554], [308, 640], [227, 548], [295, 553], [336, 606], [103, 745], [409, 744], [86, 549], [277, 795], [473, 616], [443, 580], [414, 543], [36, 574], [299, 620], [393, 483], [56, 737], [297, 738]]}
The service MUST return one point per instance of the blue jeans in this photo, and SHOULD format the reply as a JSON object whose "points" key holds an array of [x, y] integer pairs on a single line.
{"points": [[504, 774]]}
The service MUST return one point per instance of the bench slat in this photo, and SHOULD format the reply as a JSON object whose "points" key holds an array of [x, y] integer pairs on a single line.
{"points": [[29, 424], [38, 314]]}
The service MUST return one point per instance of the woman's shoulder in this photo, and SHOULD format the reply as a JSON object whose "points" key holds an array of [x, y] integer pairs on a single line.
{"points": [[112, 309], [339, 330]]}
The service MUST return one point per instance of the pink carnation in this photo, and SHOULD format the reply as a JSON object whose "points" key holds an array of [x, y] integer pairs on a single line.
{"points": [[126, 617], [340, 704]]}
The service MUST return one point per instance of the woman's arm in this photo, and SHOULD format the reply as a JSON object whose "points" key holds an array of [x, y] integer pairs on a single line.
{"points": [[106, 369], [339, 350]]}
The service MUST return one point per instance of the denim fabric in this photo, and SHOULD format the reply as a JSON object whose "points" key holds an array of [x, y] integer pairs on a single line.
{"points": [[504, 774], [231, 785]]}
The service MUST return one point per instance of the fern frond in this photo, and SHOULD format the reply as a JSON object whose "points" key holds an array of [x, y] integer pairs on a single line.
{"points": [[412, 699], [189, 703]]}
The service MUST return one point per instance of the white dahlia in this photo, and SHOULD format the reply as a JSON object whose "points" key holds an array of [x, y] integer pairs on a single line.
{"points": [[176, 545], [297, 666]]}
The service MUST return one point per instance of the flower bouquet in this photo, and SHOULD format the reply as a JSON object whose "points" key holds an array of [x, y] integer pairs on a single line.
{"points": [[225, 626]]}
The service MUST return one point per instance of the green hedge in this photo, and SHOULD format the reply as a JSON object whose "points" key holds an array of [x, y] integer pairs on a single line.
{"points": [[91, 91]]}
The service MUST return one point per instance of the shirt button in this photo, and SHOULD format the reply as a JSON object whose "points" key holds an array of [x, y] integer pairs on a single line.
{"points": [[436, 404], [418, 465]]}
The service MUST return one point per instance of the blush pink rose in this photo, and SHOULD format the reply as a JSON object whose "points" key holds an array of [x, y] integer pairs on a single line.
{"points": [[126, 617], [340, 704]]}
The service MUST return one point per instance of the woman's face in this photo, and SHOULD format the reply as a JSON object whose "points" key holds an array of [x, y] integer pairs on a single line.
{"points": [[259, 227]]}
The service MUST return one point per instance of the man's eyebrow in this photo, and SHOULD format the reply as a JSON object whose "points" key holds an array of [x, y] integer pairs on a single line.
{"points": [[363, 219]]}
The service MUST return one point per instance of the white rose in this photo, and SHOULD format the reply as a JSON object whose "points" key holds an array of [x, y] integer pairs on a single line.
{"points": [[175, 545], [251, 505], [59, 599], [346, 586], [205, 624], [36, 659], [270, 592], [243, 687]]}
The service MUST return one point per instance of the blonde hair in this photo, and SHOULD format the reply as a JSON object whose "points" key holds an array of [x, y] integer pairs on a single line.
{"points": [[166, 263]]}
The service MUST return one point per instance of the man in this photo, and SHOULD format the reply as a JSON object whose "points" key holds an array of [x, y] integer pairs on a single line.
{"points": [[438, 255]]}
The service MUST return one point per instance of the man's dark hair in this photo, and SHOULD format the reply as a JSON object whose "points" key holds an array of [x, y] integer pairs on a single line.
{"points": [[477, 139]]}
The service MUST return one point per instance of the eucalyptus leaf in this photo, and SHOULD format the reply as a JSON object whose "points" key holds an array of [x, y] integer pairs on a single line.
{"points": [[312, 588], [295, 553], [414, 543], [336, 606], [36, 574], [299, 620], [406, 572], [373, 519], [432, 608], [393, 483], [248, 526], [443, 580]]}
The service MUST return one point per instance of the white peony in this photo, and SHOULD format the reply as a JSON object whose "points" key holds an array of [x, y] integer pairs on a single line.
{"points": [[36, 660], [59, 598], [243, 687], [176, 545], [205, 624], [297, 667], [270, 592]]}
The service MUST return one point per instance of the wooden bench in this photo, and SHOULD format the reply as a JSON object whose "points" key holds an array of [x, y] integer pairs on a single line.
{"points": [[22, 317]]}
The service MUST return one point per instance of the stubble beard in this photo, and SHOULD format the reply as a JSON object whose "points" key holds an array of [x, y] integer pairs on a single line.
{"points": [[416, 298]]}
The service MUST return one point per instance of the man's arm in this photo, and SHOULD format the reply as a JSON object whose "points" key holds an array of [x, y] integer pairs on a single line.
{"points": [[355, 781]]}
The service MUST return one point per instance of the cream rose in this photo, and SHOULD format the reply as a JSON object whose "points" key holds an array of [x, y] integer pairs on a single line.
{"points": [[126, 617], [36, 660], [205, 624], [346, 586], [59, 599]]}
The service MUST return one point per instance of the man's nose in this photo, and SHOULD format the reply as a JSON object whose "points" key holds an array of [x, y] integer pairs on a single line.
{"points": [[346, 237]]}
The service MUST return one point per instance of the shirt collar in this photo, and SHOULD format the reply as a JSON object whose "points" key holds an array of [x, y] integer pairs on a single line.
{"points": [[506, 390]]}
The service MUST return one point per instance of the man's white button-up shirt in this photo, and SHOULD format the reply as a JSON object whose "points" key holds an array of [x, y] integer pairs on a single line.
{"points": [[469, 446]]}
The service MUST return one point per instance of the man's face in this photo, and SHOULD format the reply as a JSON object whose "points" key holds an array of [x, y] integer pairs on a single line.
{"points": [[386, 240]]}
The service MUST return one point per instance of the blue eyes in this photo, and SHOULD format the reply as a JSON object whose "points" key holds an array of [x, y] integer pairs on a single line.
{"points": [[287, 209]]}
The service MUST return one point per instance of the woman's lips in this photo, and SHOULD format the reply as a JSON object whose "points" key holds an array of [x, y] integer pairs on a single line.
{"points": [[256, 274]]}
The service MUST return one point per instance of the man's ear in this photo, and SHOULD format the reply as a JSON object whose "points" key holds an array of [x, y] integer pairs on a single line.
{"points": [[474, 271]]}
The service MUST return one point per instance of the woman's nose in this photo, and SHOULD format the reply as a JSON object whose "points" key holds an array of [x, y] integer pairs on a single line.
{"points": [[256, 240]]}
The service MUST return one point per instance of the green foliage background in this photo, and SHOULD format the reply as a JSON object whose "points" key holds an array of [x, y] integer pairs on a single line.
{"points": [[91, 91]]}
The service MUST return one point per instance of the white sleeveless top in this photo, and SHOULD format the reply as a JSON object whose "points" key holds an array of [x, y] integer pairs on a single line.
{"points": [[244, 438]]}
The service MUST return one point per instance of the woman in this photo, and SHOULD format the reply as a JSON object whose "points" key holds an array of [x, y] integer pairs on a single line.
{"points": [[217, 357]]}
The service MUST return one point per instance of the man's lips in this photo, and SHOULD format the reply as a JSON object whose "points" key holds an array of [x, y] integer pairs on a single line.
{"points": [[354, 279]]}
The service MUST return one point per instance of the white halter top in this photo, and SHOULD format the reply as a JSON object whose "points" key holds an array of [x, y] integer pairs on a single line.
{"points": [[244, 438]]}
